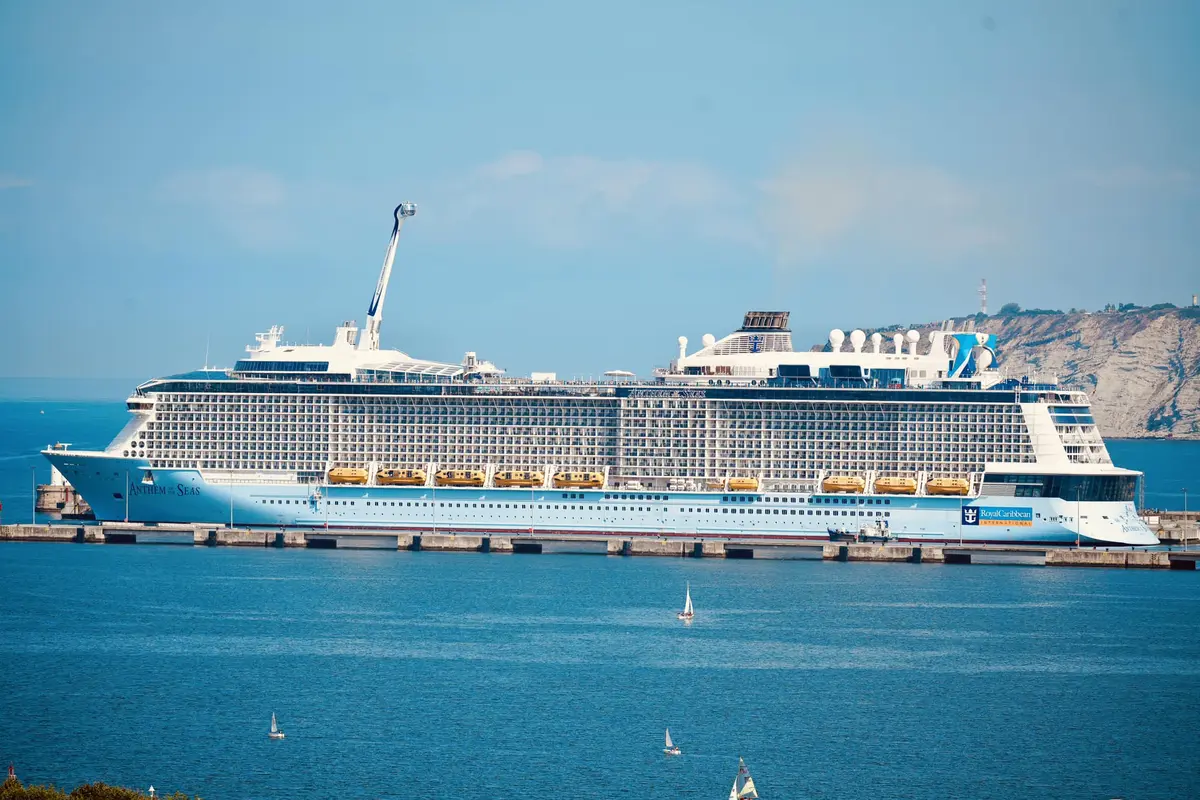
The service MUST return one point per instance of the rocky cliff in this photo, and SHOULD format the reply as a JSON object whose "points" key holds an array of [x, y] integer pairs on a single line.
{"points": [[1141, 366]]}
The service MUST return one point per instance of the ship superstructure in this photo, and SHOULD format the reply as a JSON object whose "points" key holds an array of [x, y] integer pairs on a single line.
{"points": [[744, 437]]}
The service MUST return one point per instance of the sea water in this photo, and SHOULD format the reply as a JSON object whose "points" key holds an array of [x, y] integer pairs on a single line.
{"points": [[401, 674], [398, 674]]}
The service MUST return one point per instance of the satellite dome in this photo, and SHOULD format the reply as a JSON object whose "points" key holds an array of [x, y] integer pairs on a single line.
{"points": [[857, 338], [709, 340], [683, 341], [898, 341], [836, 337], [913, 337], [876, 340]]}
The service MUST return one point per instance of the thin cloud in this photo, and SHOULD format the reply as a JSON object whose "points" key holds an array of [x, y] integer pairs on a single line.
{"points": [[572, 201], [1136, 177], [810, 208], [14, 182], [816, 205], [249, 204]]}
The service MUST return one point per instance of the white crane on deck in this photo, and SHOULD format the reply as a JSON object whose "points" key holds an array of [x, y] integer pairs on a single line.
{"points": [[370, 337]]}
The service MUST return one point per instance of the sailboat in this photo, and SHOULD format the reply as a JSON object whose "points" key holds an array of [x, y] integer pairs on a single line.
{"points": [[743, 784], [671, 749], [687, 612], [275, 732]]}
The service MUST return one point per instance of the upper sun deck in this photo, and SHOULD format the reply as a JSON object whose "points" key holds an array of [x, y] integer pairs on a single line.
{"points": [[762, 348], [757, 356]]}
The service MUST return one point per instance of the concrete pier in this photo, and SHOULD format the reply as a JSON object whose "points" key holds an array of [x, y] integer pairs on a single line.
{"points": [[614, 545], [1108, 558], [883, 552]]}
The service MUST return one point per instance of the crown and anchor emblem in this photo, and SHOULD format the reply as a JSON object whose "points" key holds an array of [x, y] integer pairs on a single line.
{"points": [[970, 516]]}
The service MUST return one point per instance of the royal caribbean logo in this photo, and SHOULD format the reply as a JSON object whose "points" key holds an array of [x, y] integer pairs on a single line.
{"points": [[1008, 517]]}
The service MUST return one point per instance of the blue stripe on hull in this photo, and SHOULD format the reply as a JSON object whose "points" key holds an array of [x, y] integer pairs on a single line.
{"points": [[184, 496]]}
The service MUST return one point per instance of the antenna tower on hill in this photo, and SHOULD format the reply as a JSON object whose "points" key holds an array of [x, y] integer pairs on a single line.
{"points": [[983, 297]]}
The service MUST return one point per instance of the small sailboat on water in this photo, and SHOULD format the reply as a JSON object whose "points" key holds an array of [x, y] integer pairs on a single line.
{"points": [[275, 732], [671, 749], [743, 784], [687, 612]]}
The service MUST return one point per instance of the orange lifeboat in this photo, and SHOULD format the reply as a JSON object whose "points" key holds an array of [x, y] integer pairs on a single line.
{"points": [[517, 478], [896, 485], [459, 477], [578, 480], [400, 477], [851, 484], [948, 486], [347, 475]]}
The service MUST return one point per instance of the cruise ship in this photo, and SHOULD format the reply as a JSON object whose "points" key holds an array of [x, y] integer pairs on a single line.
{"points": [[745, 438]]}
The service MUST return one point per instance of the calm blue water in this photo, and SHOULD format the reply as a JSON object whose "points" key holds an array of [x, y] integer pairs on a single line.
{"points": [[478, 676], [27, 426], [484, 676]]}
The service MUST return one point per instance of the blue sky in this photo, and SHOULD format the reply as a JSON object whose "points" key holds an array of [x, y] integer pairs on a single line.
{"points": [[593, 180]]}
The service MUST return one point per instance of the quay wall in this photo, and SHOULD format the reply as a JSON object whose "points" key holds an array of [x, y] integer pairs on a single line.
{"points": [[615, 545]]}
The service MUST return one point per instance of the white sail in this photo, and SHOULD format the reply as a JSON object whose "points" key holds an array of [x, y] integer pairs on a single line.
{"points": [[670, 744], [274, 727], [687, 606], [743, 784]]}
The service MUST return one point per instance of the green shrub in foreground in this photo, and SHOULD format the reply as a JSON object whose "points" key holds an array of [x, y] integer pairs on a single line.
{"points": [[13, 789]]}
